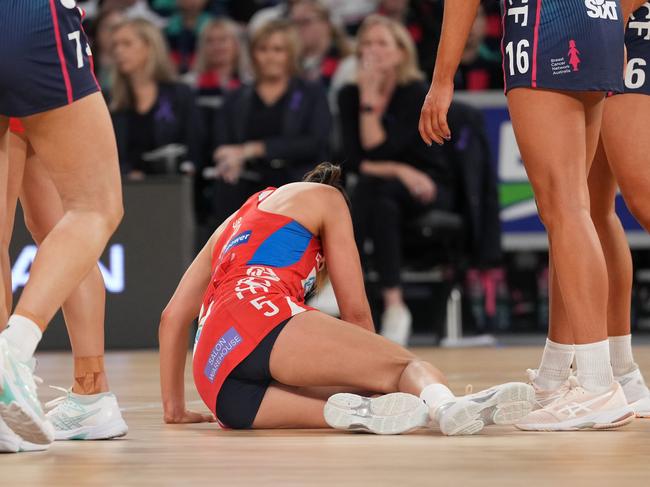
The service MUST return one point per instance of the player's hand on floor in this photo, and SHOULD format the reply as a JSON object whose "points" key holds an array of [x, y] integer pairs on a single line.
{"points": [[187, 417]]}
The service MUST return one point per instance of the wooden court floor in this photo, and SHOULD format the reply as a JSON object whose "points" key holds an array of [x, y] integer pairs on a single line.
{"points": [[196, 455]]}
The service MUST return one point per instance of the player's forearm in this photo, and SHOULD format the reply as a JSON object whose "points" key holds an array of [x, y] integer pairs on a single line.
{"points": [[457, 22], [173, 352]]}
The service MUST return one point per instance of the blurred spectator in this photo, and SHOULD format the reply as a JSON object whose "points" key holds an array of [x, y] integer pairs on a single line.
{"points": [[218, 66], [423, 20], [242, 10], [101, 32], [271, 132], [155, 117], [480, 67], [165, 8], [135, 9], [323, 45], [183, 31], [218, 71], [350, 14], [269, 14], [344, 13], [399, 176]]}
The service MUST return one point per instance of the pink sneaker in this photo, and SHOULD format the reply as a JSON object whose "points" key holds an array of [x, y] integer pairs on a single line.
{"points": [[580, 409]]}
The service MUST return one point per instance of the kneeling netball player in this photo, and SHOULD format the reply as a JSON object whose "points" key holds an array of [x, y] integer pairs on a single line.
{"points": [[263, 359]]}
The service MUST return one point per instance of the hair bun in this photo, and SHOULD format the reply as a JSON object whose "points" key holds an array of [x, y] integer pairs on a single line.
{"points": [[324, 173]]}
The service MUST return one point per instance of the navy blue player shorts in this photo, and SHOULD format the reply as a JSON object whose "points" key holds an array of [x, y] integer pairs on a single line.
{"points": [[45, 59], [570, 45], [637, 40]]}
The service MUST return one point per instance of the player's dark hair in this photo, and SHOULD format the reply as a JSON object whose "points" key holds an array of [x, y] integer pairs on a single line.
{"points": [[330, 174]]}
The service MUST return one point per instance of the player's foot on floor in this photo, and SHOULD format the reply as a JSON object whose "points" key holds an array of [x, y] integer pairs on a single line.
{"points": [[19, 406], [10, 442], [391, 414], [502, 404], [579, 409], [93, 417], [636, 392], [544, 397]]}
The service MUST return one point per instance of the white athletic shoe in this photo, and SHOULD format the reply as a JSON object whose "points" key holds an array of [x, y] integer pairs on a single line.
{"points": [[502, 404], [10, 442], [19, 405], [396, 324], [95, 417], [636, 392], [544, 397], [579, 409], [391, 414]]}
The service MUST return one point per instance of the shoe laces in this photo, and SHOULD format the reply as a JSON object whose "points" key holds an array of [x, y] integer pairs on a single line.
{"points": [[532, 375], [571, 389]]}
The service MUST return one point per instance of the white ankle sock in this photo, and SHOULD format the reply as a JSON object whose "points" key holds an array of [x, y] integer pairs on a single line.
{"points": [[434, 396], [555, 367], [23, 335], [620, 351], [594, 366]]}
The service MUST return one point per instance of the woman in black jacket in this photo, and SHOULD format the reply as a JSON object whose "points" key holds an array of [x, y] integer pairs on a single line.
{"points": [[272, 132], [399, 176], [150, 109]]}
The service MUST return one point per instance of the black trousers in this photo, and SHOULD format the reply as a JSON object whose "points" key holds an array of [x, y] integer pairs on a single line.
{"points": [[380, 207]]}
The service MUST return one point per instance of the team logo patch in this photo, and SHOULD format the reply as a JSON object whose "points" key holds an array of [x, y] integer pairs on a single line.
{"points": [[601, 9], [237, 240], [224, 346], [574, 56]]}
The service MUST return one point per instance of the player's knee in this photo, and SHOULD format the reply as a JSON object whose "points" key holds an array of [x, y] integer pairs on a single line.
{"points": [[603, 216], [37, 228], [556, 210], [399, 365]]}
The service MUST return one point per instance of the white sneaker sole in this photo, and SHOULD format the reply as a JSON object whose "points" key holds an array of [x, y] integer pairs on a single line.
{"points": [[507, 404], [10, 442], [391, 414], [20, 418], [601, 420], [641, 407], [115, 429]]}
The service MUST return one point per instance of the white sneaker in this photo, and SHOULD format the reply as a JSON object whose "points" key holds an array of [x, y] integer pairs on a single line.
{"points": [[10, 442], [580, 409], [19, 405], [636, 392], [396, 324], [544, 397], [391, 414], [95, 417], [502, 404]]}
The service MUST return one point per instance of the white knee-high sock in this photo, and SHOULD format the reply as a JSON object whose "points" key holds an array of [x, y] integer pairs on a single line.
{"points": [[555, 367], [620, 351], [23, 335], [594, 366]]}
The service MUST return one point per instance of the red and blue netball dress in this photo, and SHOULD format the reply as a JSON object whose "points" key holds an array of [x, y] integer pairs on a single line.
{"points": [[263, 266], [637, 40], [45, 59], [573, 45]]}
